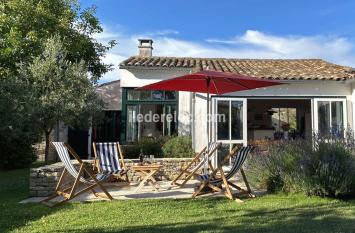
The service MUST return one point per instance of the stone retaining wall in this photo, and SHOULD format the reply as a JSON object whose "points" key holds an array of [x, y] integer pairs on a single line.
{"points": [[44, 179]]}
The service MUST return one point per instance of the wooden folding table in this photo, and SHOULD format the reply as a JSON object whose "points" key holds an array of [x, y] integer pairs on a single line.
{"points": [[146, 172]]}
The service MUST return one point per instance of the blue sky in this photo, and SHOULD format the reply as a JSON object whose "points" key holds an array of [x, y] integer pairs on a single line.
{"points": [[226, 28]]}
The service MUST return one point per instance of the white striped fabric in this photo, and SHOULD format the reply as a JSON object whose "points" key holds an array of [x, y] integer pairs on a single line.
{"points": [[204, 157], [107, 153], [65, 158], [211, 146], [198, 166], [238, 161]]}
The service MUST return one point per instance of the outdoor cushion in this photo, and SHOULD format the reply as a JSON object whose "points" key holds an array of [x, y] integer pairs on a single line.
{"points": [[65, 158], [108, 157], [237, 161]]}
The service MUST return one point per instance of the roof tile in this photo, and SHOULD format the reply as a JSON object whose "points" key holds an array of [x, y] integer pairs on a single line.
{"points": [[279, 69]]}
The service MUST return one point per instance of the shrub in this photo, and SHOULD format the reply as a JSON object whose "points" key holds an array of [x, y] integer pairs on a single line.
{"points": [[16, 150], [130, 151], [151, 146], [330, 171], [178, 147], [148, 146], [17, 132], [327, 169], [279, 169]]}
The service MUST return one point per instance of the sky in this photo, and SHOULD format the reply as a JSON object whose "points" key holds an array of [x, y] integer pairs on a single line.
{"points": [[232, 29]]}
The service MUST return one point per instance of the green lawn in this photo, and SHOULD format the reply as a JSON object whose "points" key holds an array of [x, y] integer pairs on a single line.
{"points": [[272, 213]]}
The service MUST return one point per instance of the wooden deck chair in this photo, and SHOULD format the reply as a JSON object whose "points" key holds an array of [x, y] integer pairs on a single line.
{"points": [[202, 159], [107, 160], [238, 156], [90, 183]]}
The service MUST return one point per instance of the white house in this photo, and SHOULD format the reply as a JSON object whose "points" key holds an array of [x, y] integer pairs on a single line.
{"points": [[317, 96]]}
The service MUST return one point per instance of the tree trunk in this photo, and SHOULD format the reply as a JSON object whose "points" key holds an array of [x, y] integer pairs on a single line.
{"points": [[46, 151]]}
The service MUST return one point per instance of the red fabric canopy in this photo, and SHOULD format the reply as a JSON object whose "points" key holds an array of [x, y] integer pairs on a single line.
{"points": [[212, 82]]}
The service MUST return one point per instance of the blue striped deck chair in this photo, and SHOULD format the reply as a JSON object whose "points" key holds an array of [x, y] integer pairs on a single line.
{"points": [[82, 177], [198, 165], [238, 157], [109, 160]]}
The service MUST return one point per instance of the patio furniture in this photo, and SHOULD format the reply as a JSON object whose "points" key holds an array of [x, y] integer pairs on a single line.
{"points": [[202, 159], [107, 160], [91, 182], [238, 157], [146, 172]]}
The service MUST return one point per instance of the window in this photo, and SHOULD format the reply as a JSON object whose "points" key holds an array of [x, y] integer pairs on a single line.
{"points": [[330, 117], [223, 125], [230, 119], [158, 95], [323, 116], [138, 95], [132, 123], [236, 120], [170, 95], [149, 114], [284, 118]]}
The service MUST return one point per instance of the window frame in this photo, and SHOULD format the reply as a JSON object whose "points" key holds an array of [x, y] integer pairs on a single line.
{"points": [[215, 124], [329, 100], [126, 102], [230, 143], [278, 109]]}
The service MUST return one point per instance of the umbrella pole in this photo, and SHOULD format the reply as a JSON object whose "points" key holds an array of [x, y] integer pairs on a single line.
{"points": [[208, 119], [208, 113], [205, 169]]}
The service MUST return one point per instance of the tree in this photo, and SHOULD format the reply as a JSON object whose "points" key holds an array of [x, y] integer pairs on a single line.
{"points": [[62, 90], [17, 133], [25, 24]]}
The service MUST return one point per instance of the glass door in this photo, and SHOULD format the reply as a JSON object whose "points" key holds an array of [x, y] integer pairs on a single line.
{"points": [[229, 122], [329, 117]]}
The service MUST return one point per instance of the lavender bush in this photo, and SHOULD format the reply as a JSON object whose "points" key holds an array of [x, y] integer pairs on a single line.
{"points": [[321, 165]]}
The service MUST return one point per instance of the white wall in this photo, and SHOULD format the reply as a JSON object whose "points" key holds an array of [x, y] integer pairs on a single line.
{"points": [[200, 119], [306, 88], [141, 77], [185, 104]]}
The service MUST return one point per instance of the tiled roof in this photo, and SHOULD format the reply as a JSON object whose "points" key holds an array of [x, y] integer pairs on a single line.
{"points": [[280, 69]]}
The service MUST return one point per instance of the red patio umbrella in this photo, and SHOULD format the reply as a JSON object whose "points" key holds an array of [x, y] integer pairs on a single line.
{"points": [[210, 82]]}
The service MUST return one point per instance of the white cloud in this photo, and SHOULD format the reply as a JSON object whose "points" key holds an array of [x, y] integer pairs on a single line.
{"points": [[251, 44], [298, 46], [112, 58], [161, 33]]}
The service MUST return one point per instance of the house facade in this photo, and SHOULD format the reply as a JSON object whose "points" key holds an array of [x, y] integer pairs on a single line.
{"points": [[317, 96]]}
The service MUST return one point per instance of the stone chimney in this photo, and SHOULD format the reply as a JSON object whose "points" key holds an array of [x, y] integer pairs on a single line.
{"points": [[145, 47]]}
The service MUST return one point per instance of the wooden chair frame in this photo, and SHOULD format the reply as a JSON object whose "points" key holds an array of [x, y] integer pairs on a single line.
{"points": [[195, 160], [73, 190], [226, 183], [124, 176]]}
